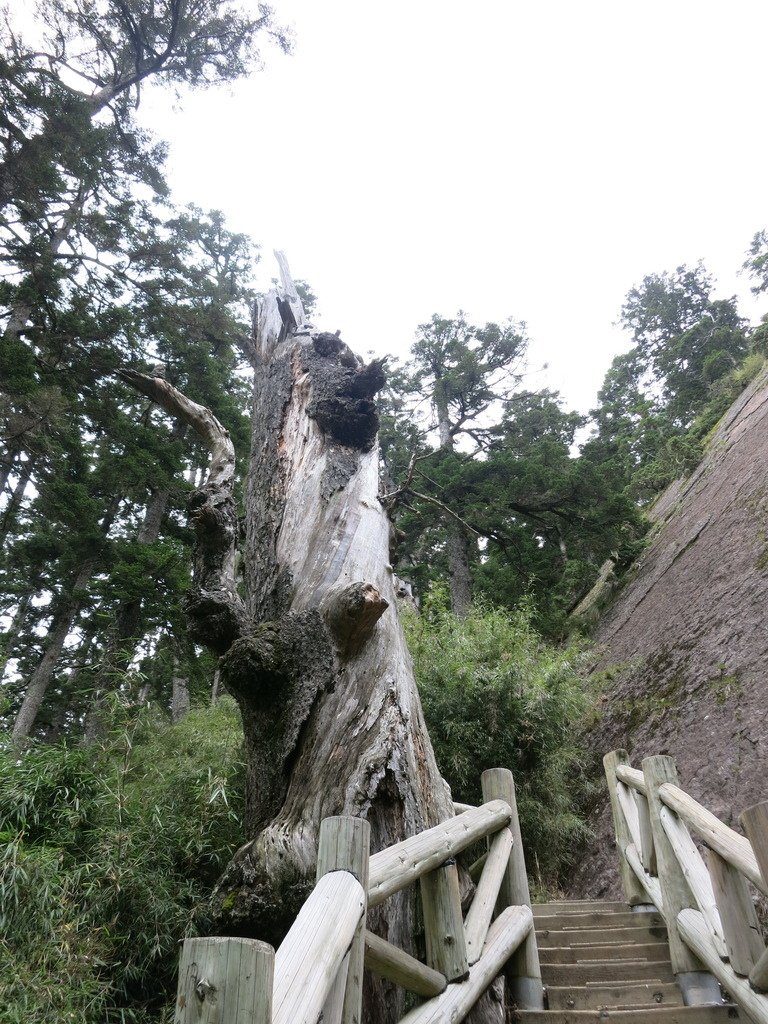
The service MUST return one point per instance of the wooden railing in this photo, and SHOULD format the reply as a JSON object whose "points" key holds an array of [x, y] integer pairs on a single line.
{"points": [[317, 972], [706, 900]]}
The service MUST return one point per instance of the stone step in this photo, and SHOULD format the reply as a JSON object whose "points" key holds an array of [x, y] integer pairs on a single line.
{"points": [[601, 919], [596, 997], [599, 936], [628, 951], [657, 1015], [603, 972], [578, 906]]}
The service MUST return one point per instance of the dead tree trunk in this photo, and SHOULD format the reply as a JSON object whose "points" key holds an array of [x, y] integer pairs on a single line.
{"points": [[314, 653]]}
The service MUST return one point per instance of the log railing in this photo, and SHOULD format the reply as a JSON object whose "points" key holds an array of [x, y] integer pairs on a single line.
{"points": [[705, 899], [317, 971]]}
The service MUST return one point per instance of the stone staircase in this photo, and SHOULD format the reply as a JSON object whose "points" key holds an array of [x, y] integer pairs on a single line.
{"points": [[602, 961]]}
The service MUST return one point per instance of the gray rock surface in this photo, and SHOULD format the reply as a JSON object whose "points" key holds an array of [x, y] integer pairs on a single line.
{"points": [[684, 643]]}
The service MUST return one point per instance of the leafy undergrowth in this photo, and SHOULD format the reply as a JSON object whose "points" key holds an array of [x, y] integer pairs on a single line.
{"points": [[496, 695], [107, 856]]}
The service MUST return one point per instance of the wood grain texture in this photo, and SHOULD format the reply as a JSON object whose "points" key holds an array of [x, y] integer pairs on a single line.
{"points": [[646, 848], [648, 882], [405, 862], [729, 844], [675, 891], [345, 845], [758, 976], [225, 980], [741, 930], [396, 965], [310, 955], [696, 875], [631, 777], [443, 924], [524, 972], [626, 798], [506, 934], [480, 914], [754, 821], [612, 761]]}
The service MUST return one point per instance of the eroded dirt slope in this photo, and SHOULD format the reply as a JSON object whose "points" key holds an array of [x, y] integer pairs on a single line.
{"points": [[686, 639]]}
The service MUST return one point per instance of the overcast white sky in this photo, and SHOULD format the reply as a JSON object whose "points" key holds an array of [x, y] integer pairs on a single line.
{"points": [[532, 160]]}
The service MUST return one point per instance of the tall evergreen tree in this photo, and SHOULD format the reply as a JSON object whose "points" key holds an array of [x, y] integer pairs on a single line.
{"points": [[463, 373]]}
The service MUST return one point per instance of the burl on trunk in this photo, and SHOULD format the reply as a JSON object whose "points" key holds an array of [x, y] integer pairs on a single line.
{"points": [[310, 641]]}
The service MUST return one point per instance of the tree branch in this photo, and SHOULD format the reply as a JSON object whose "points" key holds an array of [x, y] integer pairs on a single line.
{"points": [[214, 608]]}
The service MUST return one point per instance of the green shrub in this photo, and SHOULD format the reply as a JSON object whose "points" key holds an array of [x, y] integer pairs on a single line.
{"points": [[107, 857], [496, 695]]}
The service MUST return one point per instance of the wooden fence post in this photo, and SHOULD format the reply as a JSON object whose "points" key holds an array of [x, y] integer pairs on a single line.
{"points": [[344, 845], [523, 972], [633, 890], [443, 923], [741, 930], [224, 980], [697, 985], [755, 823]]}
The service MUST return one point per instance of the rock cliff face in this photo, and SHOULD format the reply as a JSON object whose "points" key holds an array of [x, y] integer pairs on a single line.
{"points": [[684, 643]]}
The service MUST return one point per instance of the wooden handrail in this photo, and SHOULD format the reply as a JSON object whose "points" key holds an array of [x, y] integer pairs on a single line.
{"points": [[631, 777], [694, 931], [729, 844], [317, 970], [311, 953], [405, 862], [723, 935], [506, 933], [696, 874], [479, 915]]}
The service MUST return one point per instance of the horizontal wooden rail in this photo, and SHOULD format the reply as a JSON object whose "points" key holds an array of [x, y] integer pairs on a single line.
{"points": [[632, 777], [404, 863], [396, 965], [311, 953], [506, 933], [693, 928], [729, 844]]}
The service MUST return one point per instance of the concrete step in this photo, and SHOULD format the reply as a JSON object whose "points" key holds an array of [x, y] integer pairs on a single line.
{"points": [[596, 997], [603, 972], [657, 1015], [599, 936], [609, 951], [578, 906], [600, 919]]}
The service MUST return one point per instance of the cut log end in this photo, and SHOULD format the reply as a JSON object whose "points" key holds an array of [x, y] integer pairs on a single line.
{"points": [[352, 615]]}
